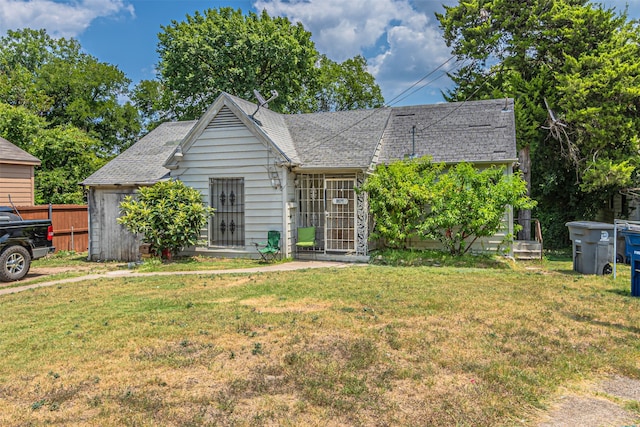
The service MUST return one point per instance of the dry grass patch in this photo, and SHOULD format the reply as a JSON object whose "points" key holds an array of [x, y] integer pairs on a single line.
{"points": [[356, 346], [276, 305]]}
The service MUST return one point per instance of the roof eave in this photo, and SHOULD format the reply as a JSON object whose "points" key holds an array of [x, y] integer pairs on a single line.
{"points": [[21, 162], [329, 169]]}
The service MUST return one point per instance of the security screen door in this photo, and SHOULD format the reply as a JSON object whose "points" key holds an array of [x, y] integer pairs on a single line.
{"points": [[340, 224]]}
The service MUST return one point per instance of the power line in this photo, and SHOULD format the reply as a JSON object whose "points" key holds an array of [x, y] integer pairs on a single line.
{"points": [[396, 100], [424, 85], [460, 104]]}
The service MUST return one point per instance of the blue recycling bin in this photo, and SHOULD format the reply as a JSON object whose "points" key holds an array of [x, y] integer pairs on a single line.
{"points": [[632, 241]]}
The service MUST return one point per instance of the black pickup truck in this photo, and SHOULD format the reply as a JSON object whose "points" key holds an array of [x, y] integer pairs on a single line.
{"points": [[22, 241]]}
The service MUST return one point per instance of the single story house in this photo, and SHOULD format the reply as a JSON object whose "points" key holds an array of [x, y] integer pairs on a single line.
{"points": [[16, 175], [263, 171]]}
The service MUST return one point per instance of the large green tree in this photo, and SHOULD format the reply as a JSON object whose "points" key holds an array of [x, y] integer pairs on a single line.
{"points": [[67, 154], [578, 59], [341, 86], [226, 50], [64, 107], [56, 80]]}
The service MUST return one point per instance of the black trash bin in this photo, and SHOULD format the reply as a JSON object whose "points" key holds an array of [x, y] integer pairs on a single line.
{"points": [[592, 246]]}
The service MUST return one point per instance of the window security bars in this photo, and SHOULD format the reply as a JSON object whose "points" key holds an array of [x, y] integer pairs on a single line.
{"points": [[227, 223]]}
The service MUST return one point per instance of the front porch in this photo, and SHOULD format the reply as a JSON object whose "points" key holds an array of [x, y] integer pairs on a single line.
{"points": [[331, 204]]}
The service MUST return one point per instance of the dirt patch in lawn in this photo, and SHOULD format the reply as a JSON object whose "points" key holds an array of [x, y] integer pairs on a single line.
{"points": [[46, 271], [38, 272], [273, 305]]}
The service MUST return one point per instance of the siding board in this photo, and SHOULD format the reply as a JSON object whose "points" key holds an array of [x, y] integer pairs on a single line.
{"points": [[233, 152], [117, 243], [16, 181]]}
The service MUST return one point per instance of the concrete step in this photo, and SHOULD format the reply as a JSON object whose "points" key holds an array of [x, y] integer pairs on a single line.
{"points": [[527, 249]]}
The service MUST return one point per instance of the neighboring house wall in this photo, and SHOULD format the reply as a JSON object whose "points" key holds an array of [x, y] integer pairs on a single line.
{"points": [[620, 206], [228, 150], [108, 240], [16, 174], [18, 181]]}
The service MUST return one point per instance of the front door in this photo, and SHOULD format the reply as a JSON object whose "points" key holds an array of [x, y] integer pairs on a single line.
{"points": [[340, 224]]}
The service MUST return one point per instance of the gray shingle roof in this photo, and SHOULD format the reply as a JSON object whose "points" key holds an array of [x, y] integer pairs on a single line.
{"points": [[274, 125], [9, 153], [472, 131], [143, 162], [344, 139]]}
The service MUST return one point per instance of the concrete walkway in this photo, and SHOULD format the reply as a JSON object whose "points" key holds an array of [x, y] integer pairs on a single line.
{"points": [[289, 266]]}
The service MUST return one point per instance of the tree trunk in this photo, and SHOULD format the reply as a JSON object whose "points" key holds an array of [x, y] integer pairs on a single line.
{"points": [[524, 215]]}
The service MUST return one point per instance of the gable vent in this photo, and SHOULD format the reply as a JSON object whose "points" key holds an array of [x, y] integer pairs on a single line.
{"points": [[225, 119]]}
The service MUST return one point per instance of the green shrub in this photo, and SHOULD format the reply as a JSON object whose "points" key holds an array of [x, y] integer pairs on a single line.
{"points": [[169, 215]]}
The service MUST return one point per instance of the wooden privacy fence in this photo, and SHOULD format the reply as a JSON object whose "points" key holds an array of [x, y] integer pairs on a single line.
{"points": [[70, 224]]}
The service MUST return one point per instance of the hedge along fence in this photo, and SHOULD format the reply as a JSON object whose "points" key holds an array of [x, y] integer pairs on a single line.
{"points": [[70, 224]]}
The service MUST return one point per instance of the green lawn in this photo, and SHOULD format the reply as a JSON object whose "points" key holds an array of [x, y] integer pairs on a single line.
{"points": [[78, 261], [375, 345]]}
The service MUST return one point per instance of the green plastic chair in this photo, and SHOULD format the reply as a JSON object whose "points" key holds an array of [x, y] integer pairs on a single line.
{"points": [[271, 248], [306, 237]]}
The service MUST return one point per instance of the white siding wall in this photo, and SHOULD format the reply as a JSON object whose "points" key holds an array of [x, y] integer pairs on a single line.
{"points": [[232, 151], [482, 245]]}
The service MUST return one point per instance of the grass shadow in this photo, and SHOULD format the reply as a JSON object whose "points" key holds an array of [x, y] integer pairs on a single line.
{"points": [[433, 258], [591, 321]]}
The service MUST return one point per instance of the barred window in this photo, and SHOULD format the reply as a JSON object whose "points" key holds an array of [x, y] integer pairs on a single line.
{"points": [[227, 224]]}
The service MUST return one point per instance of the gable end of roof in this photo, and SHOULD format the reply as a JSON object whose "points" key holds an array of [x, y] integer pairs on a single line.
{"points": [[12, 154]]}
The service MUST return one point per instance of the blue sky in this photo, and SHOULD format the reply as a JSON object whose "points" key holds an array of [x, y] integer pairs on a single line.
{"points": [[399, 38]]}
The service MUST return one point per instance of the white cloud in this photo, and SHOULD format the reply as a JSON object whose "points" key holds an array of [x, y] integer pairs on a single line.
{"points": [[416, 49], [341, 29], [59, 19], [402, 44]]}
